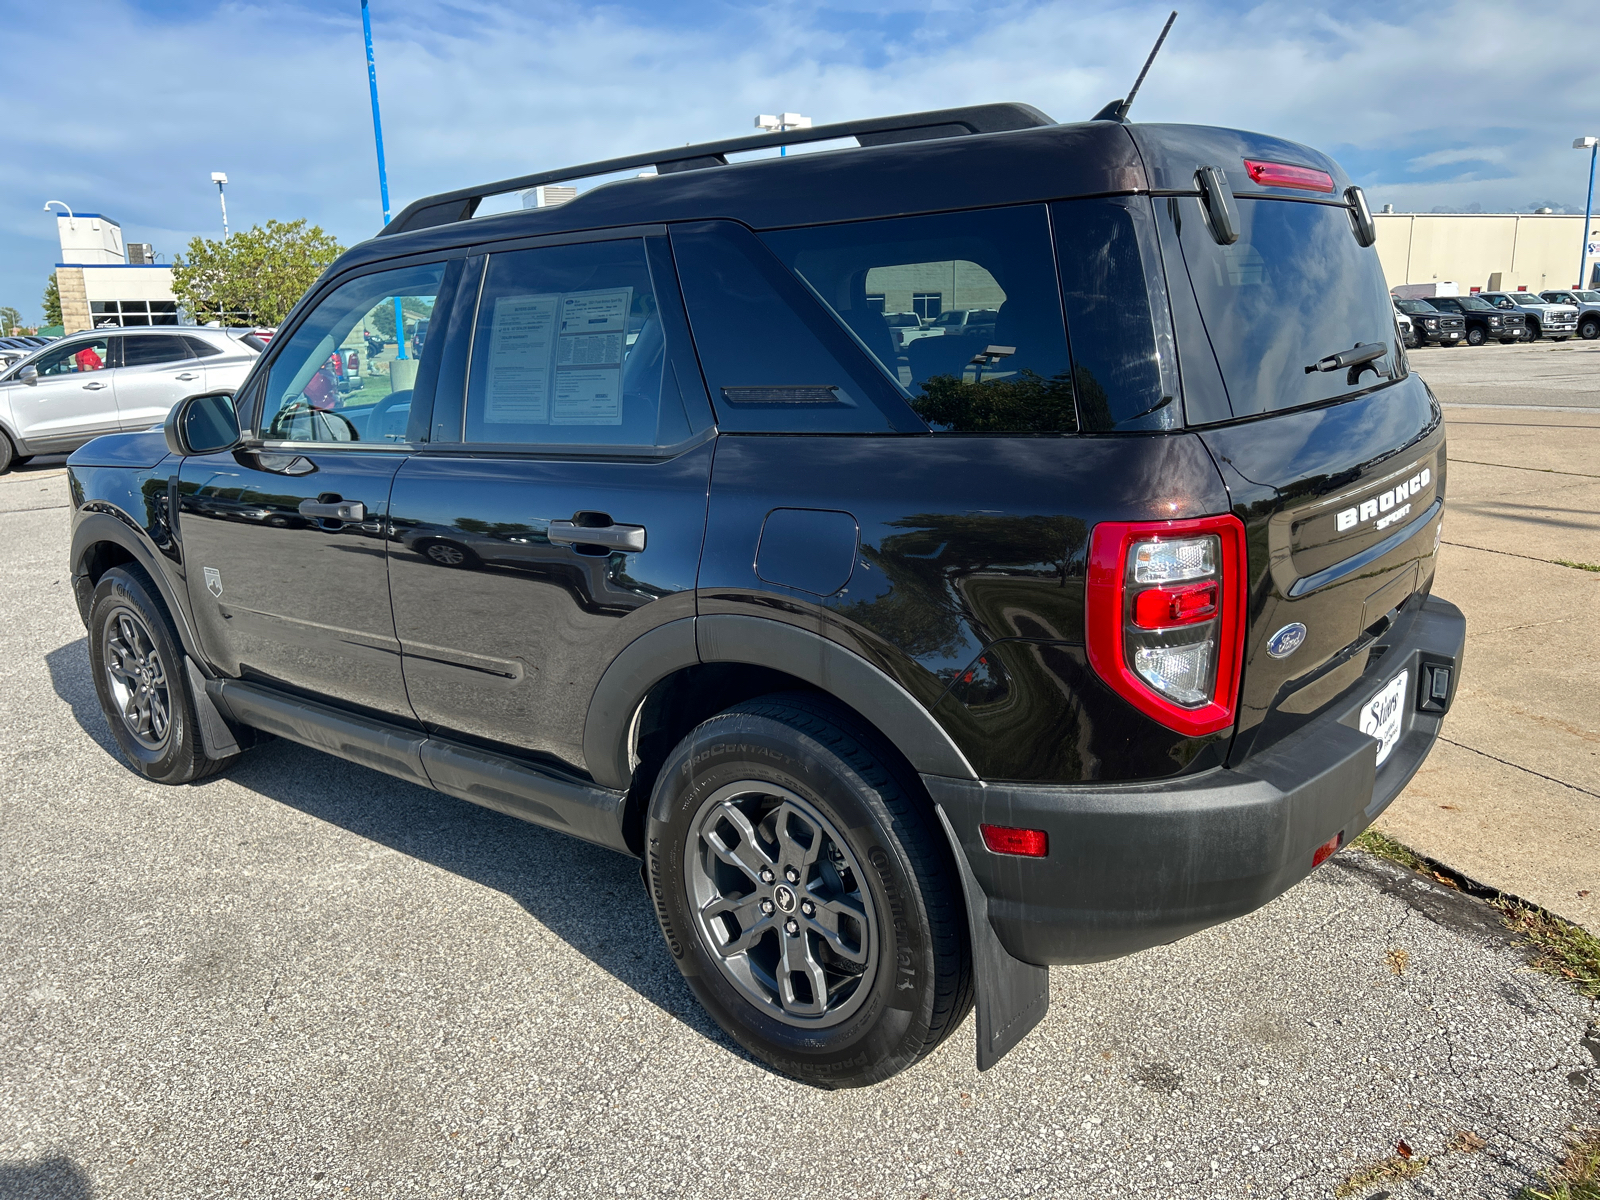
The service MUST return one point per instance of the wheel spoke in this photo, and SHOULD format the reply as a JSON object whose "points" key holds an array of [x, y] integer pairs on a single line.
{"points": [[753, 923], [826, 921], [791, 852], [798, 960], [158, 714], [748, 856]]}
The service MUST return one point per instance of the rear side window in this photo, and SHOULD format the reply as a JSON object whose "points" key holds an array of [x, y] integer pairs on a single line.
{"points": [[775, 361], [154, 349], [571, 348], [1295, 288], [961, 310]]}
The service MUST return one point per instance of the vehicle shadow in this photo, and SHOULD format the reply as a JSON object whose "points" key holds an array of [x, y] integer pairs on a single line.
{"points": [[590, 897], [55, 1178]]}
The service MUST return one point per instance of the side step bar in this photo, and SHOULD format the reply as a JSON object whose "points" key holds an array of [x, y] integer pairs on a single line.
{"points": [[497, 781]]}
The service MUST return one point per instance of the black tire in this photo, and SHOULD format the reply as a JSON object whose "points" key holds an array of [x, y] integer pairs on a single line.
{"points": [[20, 460], [8, 454], [136, 660], [871, 828], [1510, 341], [1476, 337], [1589, 330], [1534, 332]]}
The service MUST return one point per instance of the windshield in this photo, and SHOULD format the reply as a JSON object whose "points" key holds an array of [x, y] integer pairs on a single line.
{"points": [[1419, 308], [1589, 297], [1475, 304]]}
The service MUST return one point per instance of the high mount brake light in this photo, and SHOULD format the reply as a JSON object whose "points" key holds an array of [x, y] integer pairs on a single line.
{"points": [[1271, 174], [1171, 649]]}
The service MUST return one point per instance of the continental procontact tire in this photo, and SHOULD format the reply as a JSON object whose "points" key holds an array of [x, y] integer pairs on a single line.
{"points": [[140, 680], [807, 893]]}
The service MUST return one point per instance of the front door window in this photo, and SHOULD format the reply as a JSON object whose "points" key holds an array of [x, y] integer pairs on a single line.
{"points": [[347, 373]]}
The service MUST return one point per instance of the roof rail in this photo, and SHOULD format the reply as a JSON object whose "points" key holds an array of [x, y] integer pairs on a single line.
{"points": [[448, 207]]}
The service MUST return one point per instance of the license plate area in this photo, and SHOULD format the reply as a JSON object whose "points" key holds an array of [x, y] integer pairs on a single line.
{"points": [[1383, 716]]}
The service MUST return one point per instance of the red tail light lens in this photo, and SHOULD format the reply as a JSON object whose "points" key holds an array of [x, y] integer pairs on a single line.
{"points": [[1270, 174], [1029, 843], [1164, 617]]}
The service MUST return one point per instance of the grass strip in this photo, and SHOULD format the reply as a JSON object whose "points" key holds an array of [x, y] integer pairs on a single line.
{"points": [[1567, 951], [1578, 1175], [1577, 566]]}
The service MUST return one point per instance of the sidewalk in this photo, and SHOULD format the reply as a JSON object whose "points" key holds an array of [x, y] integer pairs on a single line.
{"points": [[1511, 794]]}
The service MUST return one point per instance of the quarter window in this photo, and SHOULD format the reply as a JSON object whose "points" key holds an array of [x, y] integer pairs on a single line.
{"points": [[987, 352], [347, 372]]}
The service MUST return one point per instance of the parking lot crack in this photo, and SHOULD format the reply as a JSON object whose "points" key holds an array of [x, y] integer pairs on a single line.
{"points": [[1518, 767]]}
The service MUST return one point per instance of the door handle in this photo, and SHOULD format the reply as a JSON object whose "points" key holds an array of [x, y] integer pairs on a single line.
{"points": [[186, 376], [339, 510], [93, 387], [613, 537]]}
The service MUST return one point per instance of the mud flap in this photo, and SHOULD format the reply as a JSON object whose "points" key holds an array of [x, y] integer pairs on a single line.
{"points": [[1013, 995], [215, 735]]}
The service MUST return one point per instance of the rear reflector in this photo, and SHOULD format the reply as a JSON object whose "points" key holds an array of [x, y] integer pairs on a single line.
{"points": [[1270, 174], [1326, 851], [1002, 839]]}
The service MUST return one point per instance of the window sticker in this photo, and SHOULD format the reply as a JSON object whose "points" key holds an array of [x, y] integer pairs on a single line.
{"points": [[556, 359], [520, 338]]}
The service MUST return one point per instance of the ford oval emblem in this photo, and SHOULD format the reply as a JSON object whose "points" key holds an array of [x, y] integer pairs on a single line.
{"points": [[1286, 641]]}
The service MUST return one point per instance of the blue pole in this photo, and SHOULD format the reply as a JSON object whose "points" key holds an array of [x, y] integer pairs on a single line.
{"points": [[383, 173], [1588, 205]]}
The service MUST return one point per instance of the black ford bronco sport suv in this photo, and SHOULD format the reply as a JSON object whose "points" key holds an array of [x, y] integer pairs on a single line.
{"points": [[908, 669]]}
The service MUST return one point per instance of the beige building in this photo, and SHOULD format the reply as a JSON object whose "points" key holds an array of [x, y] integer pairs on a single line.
{"points": [[99, 286], [1531, 250]]}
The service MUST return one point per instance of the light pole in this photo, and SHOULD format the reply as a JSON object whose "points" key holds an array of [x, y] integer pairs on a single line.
{"points": [[220, 178], [781, 124], [383, 172], [1592, 145], [71, 221]]}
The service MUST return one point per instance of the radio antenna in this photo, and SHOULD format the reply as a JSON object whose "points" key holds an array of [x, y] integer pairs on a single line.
{"points": [[1117, 110]]}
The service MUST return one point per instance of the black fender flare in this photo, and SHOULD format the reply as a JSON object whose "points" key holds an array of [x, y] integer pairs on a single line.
{"points": [[96, 527], [759, 642]]}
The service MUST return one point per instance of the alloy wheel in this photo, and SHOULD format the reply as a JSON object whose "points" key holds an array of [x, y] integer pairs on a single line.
{"points": [[137, 678], [782, 904]]}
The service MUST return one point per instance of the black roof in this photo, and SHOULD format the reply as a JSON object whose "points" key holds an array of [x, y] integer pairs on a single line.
{"points": [[917, 163]]}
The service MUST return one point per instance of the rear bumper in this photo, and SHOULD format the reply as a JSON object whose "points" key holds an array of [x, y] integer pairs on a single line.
{"points": [[1131, 866]]}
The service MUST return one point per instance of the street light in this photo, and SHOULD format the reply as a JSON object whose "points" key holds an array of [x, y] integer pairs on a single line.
{"points": [[782, 123], [71, 222], [220, 178], [1592, 145]]}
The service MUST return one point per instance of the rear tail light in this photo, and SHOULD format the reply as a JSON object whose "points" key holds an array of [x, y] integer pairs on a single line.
{"points": [[1164, 617], [1271, 174]]}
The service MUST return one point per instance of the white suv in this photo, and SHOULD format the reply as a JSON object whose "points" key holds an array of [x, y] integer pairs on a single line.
{"points": [[108, 380]]}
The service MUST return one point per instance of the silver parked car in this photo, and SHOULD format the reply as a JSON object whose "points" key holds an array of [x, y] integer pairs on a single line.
{"points": [[107, 380]]}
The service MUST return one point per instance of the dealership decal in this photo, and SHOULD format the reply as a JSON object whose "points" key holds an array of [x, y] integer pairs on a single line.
{"points": [[1387, 508], [213, 580]]}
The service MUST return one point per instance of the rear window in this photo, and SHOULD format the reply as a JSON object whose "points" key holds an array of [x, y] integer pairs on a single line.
{"points": [[1295, 288]]}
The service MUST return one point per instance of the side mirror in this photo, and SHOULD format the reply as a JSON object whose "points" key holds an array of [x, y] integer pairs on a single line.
{"points": [[1361, 216], [29, 375], [1216, 197], [202, 424]]}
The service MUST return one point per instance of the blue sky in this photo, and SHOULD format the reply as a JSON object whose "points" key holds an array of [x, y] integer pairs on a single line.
{"points": [[125, 107]]}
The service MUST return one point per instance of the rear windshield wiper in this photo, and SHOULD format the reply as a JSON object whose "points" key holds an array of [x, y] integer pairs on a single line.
{"points": [[1361, 357]]}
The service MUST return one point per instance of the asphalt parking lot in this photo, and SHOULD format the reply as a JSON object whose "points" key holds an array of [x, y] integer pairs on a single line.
{"points": [[308, 979]]}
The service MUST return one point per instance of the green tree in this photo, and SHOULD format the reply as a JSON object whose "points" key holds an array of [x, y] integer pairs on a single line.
{"points": [[52, 302], [10, 320], [254, 277]]}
